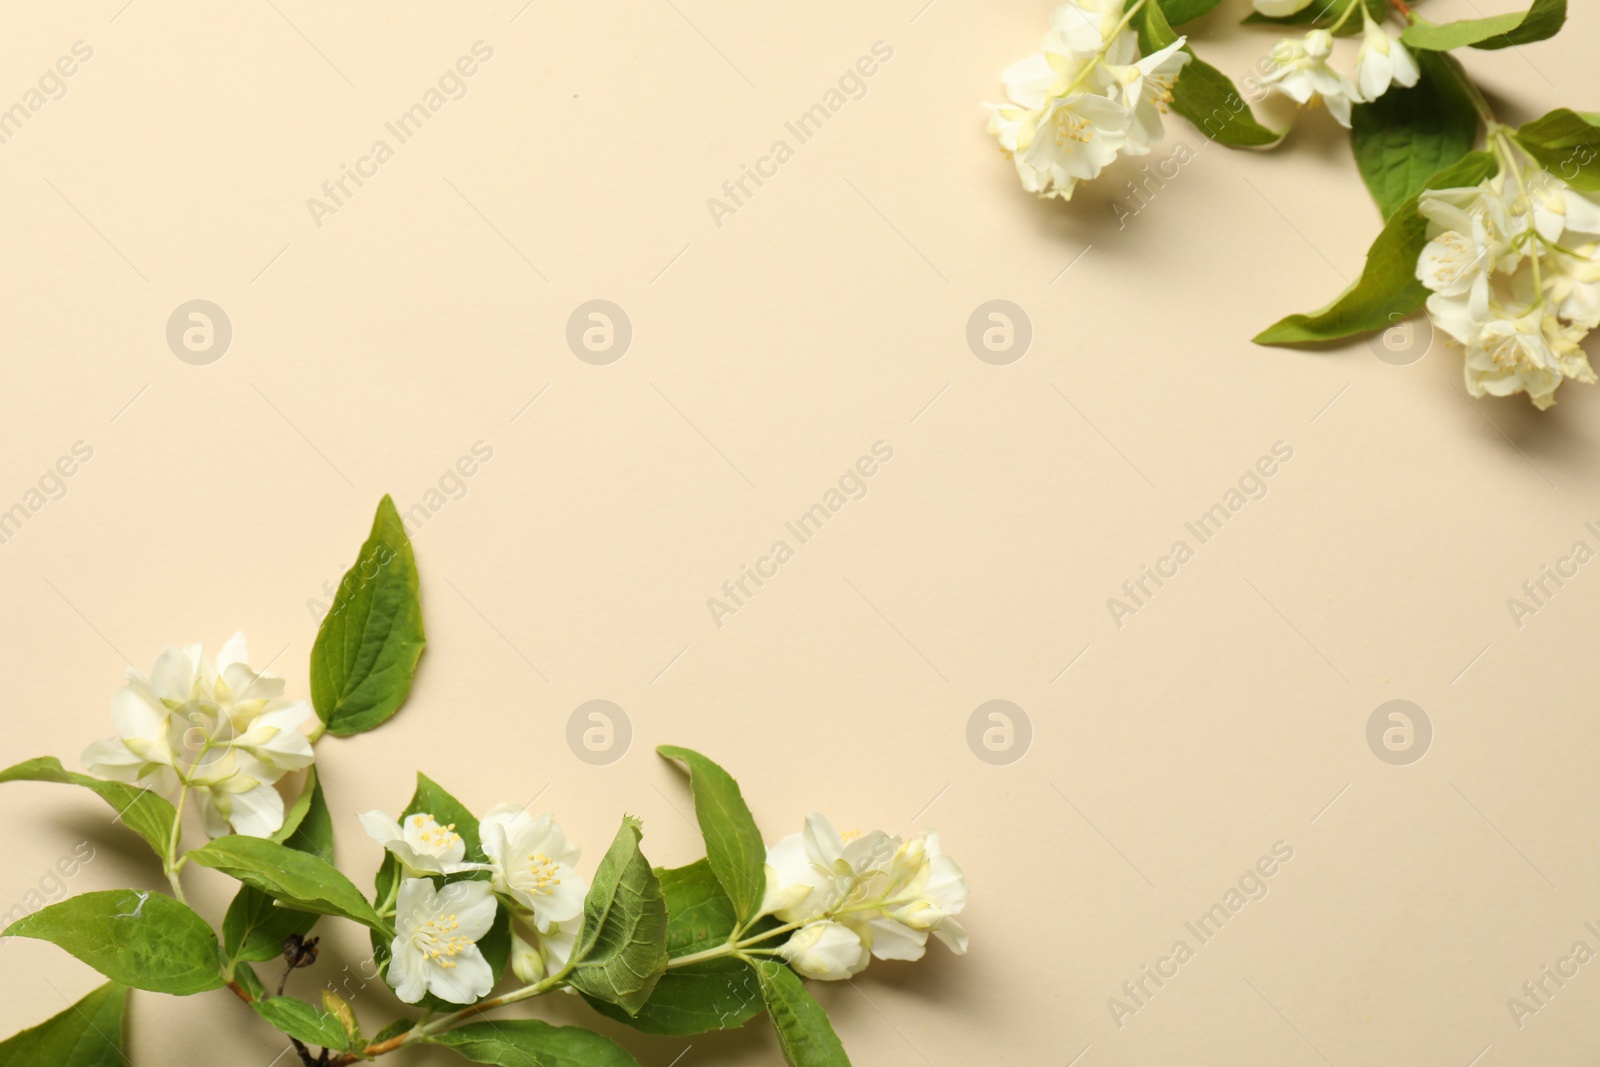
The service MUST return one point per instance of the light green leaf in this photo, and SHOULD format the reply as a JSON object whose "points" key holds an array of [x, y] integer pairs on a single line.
{"points": [[1567, 144], [733, 844], [255, 927], [1323, 13], [142, 811], [532, 1043], [1180, 11], [1387, 290], [141, 939], [622, 950], [1540, 22], [1407, 136], [299, 1019], [804, 1033], [717, 994], [1203, 94], [88, 1034], [302, 881], [368, 645]]}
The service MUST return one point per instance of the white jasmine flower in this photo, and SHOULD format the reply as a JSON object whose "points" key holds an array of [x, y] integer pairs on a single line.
{"points": [[815, 872], [1082, 27], [889, 894], [223, 730], [1511, 285], [1077, 137], [1574, 285], [826, 951], [1277, 9], [1530, 353], [1301, 72], [1382, 61], [435, 946], [925, 890], [1145, 89], [422, 846], [1557, 209], [533, 865], [535, 954]]}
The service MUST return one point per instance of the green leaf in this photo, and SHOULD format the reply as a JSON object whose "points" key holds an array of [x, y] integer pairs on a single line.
{"points": [[622, 950], [368, 645], [309, 883], [531, 1043], [88, 1034], [1387, 290], [393, 1030], [717, 994], [733, 844], [1541, 21], [249, 981], [1567, 144], [299, 1019], [1203, 94], [1323, 13], [1407, 136], [804, 1033], [142, 811], [1180, 11], [255, 927], [141, 939]]}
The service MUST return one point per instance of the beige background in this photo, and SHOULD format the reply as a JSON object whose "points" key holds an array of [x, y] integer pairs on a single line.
{"points": [[768, 354]]}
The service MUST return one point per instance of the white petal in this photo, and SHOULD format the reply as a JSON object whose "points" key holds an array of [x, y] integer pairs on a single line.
{"points": [[234, 650], [892, 941], [469, 980], [379, 826], [407, 971], [256, 812]]}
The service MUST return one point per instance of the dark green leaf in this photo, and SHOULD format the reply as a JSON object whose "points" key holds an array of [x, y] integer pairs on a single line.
{"points": [[1387, 290], [299, 1019], [88, 1034], [393, 1030], [531, 1043], [255, 927], [142, 811], [1407, 136], [142, 939], [1323, 13], [1541, 21], [717, 994], [733, 844], [1180, 11], [1567, 144], [368, 645], [622, 949], [1203, 94], [804, 1033], [302, 881]]}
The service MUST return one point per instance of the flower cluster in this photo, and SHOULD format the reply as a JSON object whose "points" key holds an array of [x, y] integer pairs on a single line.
{"points": [[220, 732], [865, 896], [1084, 98], [1513, 268], [1301, 71], [530, 864]]}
